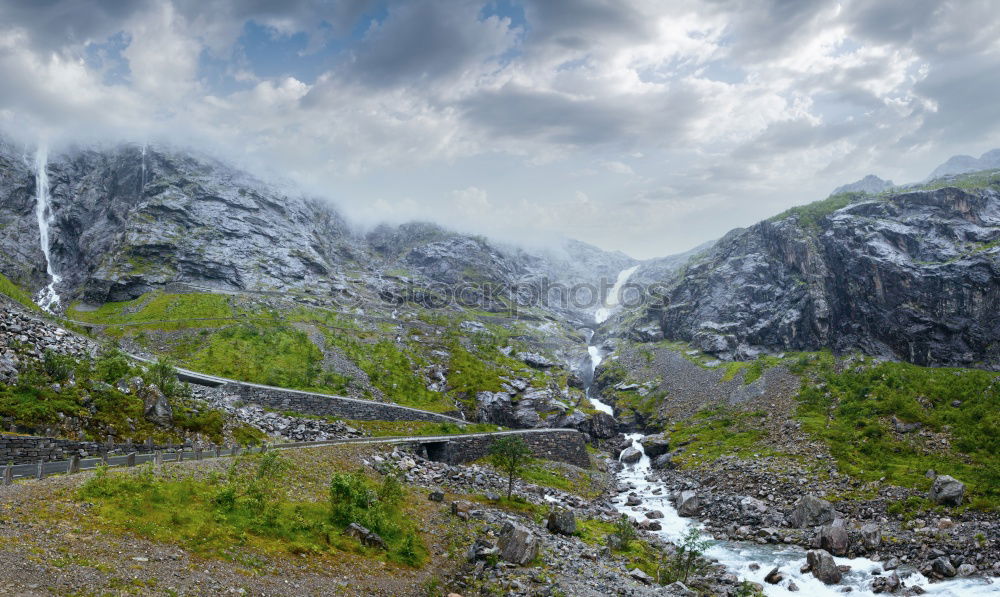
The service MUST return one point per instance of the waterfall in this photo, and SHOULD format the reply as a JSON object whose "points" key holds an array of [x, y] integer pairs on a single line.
{"points": [[142, 184], [614, 297], [608, 305], [47, 297]]}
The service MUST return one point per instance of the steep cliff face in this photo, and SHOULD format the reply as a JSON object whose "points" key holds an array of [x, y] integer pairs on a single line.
{"points": [[914, 277]]}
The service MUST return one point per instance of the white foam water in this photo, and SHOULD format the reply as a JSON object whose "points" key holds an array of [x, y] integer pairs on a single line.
{"points": [[613, 299], [737, 556], [47, 298]]}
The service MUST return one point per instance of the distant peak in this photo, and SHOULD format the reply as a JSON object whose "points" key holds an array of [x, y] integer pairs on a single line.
{"points": [[870, 184], [962, 164]]}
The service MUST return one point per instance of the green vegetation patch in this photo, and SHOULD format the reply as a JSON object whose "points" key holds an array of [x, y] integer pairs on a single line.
{"points": [[59, 389], [158, 306], [15, 292], [215, 515], [276, 355], [851, 410], [712, 433], [810, 215]]}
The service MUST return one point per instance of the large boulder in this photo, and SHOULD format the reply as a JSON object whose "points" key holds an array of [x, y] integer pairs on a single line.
{"points": [[156, 407], [518, 545], [834, 538], [630, 455], [562, 522], [603, 426], [663, 461], [947, 491], [494, 407], [810, 511], [823, 566], [655, 445], [689, 503], [942, 568]]}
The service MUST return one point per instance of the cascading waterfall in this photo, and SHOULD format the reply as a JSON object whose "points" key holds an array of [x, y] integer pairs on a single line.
{"points": [[738, 557], [47, 298], [608, 305]]}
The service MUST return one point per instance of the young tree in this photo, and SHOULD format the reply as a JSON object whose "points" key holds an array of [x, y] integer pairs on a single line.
{"points": [[510, 455]]}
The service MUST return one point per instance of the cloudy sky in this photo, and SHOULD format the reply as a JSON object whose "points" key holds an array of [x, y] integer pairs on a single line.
{"points": [[642, 125]]}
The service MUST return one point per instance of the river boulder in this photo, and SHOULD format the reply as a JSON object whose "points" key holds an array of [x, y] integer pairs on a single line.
{"points": [[822, 565], [655, 445]]}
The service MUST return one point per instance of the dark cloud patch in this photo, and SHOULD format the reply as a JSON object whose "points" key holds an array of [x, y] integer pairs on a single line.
{"points": [[427, 41], [579, 24], [55, 24]]}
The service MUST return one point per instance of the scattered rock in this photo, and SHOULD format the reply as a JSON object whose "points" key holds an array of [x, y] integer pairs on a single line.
{"points": [[365, 536], [518, 545], [810, 511], [689, 503], [947, 491], [562, 521]]}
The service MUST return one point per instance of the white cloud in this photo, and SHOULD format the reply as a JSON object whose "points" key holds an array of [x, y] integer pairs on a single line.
{"points": [[666, 110]]}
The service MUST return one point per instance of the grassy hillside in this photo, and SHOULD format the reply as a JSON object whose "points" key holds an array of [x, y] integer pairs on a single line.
{"points": [[15, 292]]}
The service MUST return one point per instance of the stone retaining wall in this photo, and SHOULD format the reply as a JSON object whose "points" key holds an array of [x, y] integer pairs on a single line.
{"points": [[25, 449], [334, 406], [561, 445]]}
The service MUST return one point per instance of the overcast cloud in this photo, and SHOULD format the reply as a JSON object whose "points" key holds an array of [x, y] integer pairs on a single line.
{"points": [[639, 125]]}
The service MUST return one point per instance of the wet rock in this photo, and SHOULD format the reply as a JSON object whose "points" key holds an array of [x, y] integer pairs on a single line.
{"points": [[654, 514], [630, 455], [965, 570], [650, 525], [810, 511], [822, 566], [942, 567], [562, 522], [774, 577], [655, 445], [633, 500], [890, 564], [834, 538], [947, 491], [886, 584], [689, 503], [518, 545]]}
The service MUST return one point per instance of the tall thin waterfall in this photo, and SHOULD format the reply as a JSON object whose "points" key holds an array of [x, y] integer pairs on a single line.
{"points": [[47, 298]]}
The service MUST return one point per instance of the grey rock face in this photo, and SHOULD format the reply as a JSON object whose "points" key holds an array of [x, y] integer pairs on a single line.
{"points": [[960, 164], [518, 545], [811, 511], [907, 277], [947, 490], [823, 566]]}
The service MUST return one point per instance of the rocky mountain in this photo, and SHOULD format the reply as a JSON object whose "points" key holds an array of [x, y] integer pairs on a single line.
{"points": [[961, 164], [914, 276], [130, 219], [870, 184]]}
